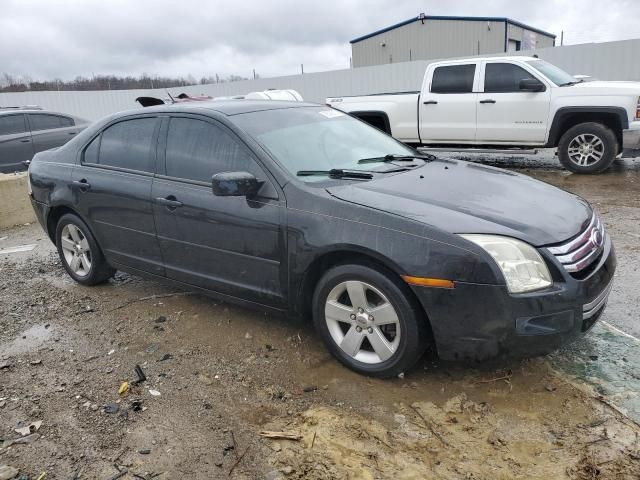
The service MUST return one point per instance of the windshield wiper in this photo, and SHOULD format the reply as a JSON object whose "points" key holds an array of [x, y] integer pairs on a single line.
{"points": [[336, 173], [397, 158]]}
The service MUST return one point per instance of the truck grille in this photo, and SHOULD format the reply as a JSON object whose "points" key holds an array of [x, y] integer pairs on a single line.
{"points": [[583, 250]]}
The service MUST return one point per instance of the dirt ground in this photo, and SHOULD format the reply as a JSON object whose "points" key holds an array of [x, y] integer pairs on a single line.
{"points": [[218, 375]]}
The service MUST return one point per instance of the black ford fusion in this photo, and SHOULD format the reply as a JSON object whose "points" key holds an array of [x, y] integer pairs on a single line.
{"points": [[301, 209]]}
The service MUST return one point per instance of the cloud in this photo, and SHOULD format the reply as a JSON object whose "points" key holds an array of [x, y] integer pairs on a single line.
{"points": [[66, 38]]}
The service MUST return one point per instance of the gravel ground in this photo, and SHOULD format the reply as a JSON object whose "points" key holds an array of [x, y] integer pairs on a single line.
{"points": [[218, 375]]}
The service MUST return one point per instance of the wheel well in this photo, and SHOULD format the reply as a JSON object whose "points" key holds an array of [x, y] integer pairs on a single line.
{"points": [[52, 220], [329, 260], [611, 120], [380, 120]]}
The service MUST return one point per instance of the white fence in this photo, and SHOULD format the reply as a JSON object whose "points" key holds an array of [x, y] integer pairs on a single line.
{"points": [[606, 61]]}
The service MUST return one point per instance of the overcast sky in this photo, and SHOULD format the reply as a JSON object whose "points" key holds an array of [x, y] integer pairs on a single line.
{"points": [[45, 39]]}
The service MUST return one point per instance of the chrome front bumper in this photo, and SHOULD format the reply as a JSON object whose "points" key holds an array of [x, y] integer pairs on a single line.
{"points": [[593, 307]]}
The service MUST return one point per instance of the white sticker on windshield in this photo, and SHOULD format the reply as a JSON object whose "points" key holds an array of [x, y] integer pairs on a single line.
{"points": [[331, 113]]}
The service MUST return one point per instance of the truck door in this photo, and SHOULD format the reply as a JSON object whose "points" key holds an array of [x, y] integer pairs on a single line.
{"points": [[447, 106], [510, 110]]}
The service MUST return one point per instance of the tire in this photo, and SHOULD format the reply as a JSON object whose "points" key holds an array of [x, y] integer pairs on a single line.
{"points": [[79, 252], [588, 148], [398, 345]]}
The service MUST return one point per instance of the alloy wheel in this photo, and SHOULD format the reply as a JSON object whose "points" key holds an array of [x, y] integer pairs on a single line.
{"points": [[586, 150], [76, 250], [362, 322]]}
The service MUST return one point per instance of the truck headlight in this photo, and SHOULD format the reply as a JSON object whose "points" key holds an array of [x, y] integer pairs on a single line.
{"points": [[523, 268]]}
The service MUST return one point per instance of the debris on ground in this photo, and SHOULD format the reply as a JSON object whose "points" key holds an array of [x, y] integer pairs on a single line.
{"points": [[29, 429], [280, 435], [124, 388], [18, 249], [8, 473], [141, 377]]}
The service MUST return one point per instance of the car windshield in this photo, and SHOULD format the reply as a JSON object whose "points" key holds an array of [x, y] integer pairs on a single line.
{"points": [[305, 139], [553, 73]]}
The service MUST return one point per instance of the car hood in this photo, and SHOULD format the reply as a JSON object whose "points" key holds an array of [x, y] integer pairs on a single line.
{"points": [[462, 197], [609, 87]]}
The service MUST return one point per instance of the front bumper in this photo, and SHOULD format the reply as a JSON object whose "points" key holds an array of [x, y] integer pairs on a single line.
{"points": [[631, 137], [476, 322]]}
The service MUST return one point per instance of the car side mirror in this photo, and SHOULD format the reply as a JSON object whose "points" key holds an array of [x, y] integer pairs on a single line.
{"points": [[235, 184], [532, 85]]}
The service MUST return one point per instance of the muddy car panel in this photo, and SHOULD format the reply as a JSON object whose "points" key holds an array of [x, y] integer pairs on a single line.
{"points": [[269, 251]]}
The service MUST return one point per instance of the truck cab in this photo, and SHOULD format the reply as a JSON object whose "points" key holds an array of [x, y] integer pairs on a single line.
{"points": [[510, 101]]}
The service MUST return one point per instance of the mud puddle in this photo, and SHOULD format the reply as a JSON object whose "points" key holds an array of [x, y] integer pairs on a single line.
{"points": [[31, 340]]}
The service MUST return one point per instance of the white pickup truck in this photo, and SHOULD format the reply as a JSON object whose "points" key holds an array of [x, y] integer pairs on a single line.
{"points": [[510, 102]]}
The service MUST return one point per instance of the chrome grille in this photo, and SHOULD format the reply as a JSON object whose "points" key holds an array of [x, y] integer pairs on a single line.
{"points": [[579, 253]]}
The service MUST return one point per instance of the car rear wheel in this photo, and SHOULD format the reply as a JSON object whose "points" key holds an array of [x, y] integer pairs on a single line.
{"points": [[588, 148], [80, 254], [369, 321]]}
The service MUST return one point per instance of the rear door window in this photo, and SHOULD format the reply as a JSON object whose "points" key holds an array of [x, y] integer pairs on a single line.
{"points": [[504, 77], [129, 144], [197, 150], [453, 79], [12, 124], [48, 122]]}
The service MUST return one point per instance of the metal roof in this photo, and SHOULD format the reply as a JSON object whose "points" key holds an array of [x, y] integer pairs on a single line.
{"points": [[446, 17]]}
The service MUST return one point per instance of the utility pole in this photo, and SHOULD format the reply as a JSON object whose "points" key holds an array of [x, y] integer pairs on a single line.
{"points": [[254, 73], [302, 69], [562, 38]]}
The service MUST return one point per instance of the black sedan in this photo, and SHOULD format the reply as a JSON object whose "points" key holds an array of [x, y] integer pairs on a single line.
{"points": [[301, 209]]}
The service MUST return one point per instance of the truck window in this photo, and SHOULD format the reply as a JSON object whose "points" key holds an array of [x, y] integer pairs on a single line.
{"points": [[504, 77], [453, 79]]}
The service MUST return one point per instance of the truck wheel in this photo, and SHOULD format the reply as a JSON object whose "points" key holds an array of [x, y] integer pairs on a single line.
{"points": [[588, 147], [369, 321]]}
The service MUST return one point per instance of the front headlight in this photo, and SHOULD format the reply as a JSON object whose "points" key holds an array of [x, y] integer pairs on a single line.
{"points": [[522, 266]]}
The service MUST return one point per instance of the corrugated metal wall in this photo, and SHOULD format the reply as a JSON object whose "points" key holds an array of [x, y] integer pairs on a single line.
{"points": [[607, 61], [429, 40]]}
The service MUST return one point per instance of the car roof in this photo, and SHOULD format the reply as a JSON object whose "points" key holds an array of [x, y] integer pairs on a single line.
{"points": [[480, 59], [4, 111], [228, 107]]}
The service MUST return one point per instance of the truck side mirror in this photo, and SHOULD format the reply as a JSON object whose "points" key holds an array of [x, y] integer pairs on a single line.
{"points": [[531, 85]]}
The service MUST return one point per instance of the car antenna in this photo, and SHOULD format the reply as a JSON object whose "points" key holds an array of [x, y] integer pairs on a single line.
{"points": [[172, 99]]}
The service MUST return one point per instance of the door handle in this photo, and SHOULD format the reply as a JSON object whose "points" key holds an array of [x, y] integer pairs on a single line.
{"points": [[430, 102], [489, 100], [72, 133], [170, 202], [83, 185], [25, 140]]}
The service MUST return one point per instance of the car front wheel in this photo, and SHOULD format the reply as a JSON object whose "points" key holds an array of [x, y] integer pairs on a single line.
{"points": [[79, 252], [588, 148], [369, 320]]}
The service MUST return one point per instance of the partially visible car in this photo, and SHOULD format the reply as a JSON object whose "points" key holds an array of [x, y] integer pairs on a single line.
{"points": [[26, 131]]}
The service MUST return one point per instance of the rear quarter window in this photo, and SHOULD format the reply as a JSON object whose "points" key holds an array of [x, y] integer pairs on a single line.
{"points": [[49, 122]]}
